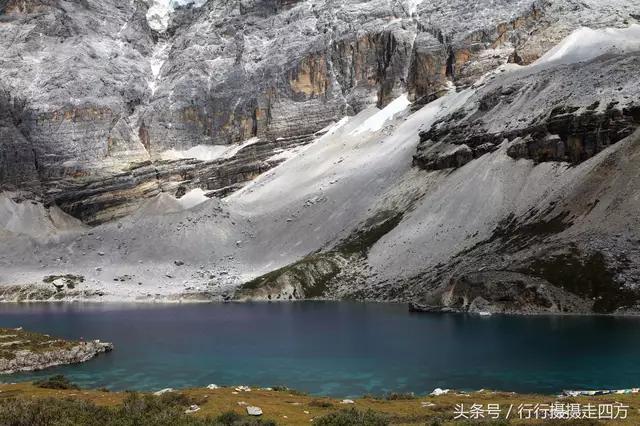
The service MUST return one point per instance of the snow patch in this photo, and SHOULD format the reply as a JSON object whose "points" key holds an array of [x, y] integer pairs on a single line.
{"points": [[165, 203], [159, 12], [412, 6], [207, 152], [193, 198], [377, 121], [585, 44], [351, 154], [158, 58]]}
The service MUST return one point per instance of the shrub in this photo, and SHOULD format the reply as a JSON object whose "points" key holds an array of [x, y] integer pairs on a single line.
{"points": [[50, 412], [353, 417], [400, 396], [322, 403], [289, 390], [136, 410], [56, 382], [231, 418]]}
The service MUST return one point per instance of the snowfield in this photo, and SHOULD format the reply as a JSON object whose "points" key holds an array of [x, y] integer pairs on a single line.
{"points": [[585, 44]]}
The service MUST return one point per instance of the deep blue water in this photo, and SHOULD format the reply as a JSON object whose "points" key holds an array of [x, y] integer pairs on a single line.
{"points": [[339, 349]]}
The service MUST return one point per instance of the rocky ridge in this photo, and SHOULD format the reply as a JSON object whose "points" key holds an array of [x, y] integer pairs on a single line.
{"points": [[569, 123]]}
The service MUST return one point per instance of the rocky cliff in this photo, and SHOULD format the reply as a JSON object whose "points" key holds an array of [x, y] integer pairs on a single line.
{"points": [[385, 150], [93, 92]]}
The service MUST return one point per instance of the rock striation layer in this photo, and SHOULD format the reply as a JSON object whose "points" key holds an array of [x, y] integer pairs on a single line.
{"points": [[92, 93], [475, 157]]}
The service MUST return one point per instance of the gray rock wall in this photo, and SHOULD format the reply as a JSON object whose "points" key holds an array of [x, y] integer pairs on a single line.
{"points": [[99, 93]]}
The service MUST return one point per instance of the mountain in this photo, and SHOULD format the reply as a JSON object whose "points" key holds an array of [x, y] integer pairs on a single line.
{"points": [[464, 157]]}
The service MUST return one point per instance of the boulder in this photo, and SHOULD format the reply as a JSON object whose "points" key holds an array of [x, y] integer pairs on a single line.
{"points": [[254, 411]]}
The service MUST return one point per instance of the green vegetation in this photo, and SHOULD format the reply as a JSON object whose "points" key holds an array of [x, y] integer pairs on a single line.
{"points": [[353, 417], [393, 396], [231, 418], [361, 241], [587, 276], [314, 274], [321, 403], [69, 280], [27, 404], [56, 382], [13, 340], [515, 235], [403, 396], [135, 410]]}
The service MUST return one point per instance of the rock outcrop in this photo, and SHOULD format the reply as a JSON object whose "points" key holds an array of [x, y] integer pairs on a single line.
{"points": [[565, 119], [31, 361], [25, 351], [92, 93]]}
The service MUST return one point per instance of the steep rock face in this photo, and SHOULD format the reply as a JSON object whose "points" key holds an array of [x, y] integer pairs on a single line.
{"points": [[98, 89], [570, 121], [501, 292], [18, 166], [243, 70], [73, 74]]}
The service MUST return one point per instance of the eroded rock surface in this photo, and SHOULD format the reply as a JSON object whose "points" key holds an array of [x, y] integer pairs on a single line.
{"points": [[454, 155], [544, 113], [93, 92]]}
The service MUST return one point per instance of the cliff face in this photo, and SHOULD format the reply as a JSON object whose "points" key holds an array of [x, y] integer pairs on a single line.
{"points": [[410, 128], [570, 123], [93, 92]]}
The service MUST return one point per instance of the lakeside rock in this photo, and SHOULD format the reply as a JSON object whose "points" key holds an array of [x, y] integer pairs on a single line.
{"points": [[26, 351]]}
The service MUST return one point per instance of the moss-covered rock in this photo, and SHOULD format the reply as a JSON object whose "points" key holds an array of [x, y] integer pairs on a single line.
{"points": [[311, 277]]}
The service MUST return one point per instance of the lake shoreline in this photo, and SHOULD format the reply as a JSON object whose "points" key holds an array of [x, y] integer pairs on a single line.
{"points": [[174, 301]]}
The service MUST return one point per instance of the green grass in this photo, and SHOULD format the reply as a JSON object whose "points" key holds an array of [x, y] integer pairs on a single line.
{"points": [[353, 417], [361, 241], [70, 280], [26, 404], [56, 382], [135, 410], [14, 340], [588, 276], [315, 273]]}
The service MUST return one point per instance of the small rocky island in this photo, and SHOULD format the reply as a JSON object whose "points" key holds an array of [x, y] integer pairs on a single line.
{"points": [[22, 350]]}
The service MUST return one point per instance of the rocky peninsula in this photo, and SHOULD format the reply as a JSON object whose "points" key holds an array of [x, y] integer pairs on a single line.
{"points": [[22, 350]]}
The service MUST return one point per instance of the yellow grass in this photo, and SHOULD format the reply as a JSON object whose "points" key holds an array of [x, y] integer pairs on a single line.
{"points": [[288, 408]]}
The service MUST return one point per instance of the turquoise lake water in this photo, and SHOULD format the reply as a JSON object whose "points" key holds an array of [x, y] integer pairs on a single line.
{"points": [[338, 349]]}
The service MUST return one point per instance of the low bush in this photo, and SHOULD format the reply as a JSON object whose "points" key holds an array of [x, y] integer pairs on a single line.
{"points": [[404, 396], [136, 410], [321, 403], [231, 418], [56, 382], [353, 417]]}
